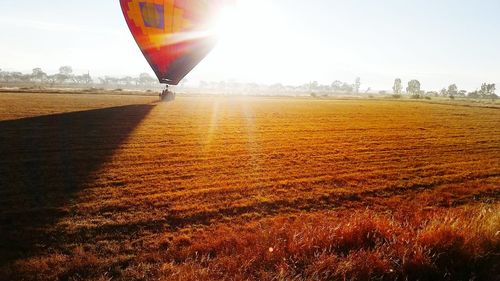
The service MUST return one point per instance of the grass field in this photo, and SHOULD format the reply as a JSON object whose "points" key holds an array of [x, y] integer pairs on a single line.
{"points": [[217, 188]]}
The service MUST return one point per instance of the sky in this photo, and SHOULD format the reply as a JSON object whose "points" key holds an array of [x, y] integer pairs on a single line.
{"points": [[293, 42]]}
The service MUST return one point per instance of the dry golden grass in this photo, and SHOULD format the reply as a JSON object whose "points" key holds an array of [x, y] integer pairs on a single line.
{"points": [[461, 244], [247, 189]]}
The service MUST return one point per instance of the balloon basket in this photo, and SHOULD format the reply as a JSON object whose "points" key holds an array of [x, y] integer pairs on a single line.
{"points": [[166, 96]]}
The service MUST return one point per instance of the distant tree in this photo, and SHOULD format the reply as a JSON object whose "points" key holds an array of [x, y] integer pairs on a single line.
{"points": [[135, 81], [484, 90], [337, 85], [146, 79], [38, 75], [52, 79], [452, 90], [78, 79], [278, 87], [346, 87], [322, 88], [7, 76], [66, 70], [87, 79], [26, 77], [83, 79], [65, 73], [111, 80], [127, 80], [313, 86], [357, 85], [398, 87], [16, 76], [413, 88], [3, 75], [462, 93], [487, 90], [61, 78], [492, 89], [443, 92], [474, 95]]}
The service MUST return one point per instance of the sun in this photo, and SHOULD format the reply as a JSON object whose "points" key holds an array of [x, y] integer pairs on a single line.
{"points": [[245, 21], [252, 42]]}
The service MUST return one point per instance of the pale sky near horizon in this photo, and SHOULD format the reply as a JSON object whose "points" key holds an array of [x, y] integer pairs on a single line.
{"points": [[287, 41]]}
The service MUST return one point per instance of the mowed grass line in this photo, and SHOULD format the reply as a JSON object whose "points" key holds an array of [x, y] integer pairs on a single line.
{"points": [[235, 161]]}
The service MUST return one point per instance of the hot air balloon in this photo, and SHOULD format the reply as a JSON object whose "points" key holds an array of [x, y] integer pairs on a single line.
{"points": [[173, 35]]}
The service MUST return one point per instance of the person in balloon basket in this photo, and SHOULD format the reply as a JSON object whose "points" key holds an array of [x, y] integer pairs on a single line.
{"points": [[167, 95]]}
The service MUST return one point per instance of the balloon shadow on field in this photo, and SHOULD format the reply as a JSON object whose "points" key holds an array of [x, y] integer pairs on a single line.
{"points": [[45, 161]]}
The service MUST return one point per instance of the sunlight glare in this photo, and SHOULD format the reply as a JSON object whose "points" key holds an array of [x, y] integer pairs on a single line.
{"points": [[256, 41], [245, 28]]}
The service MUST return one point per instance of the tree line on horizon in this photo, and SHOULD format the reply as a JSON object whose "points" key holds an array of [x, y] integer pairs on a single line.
{"points": [[487, 91], [413, 88], [311, 87], [315, 89], [67, 76]]}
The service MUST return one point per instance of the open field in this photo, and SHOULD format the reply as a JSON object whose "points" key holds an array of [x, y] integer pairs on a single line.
{"points": [[210, 188]]}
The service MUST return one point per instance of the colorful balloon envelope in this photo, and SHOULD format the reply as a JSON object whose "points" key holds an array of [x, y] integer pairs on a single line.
{"points": [[173, 35]]}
